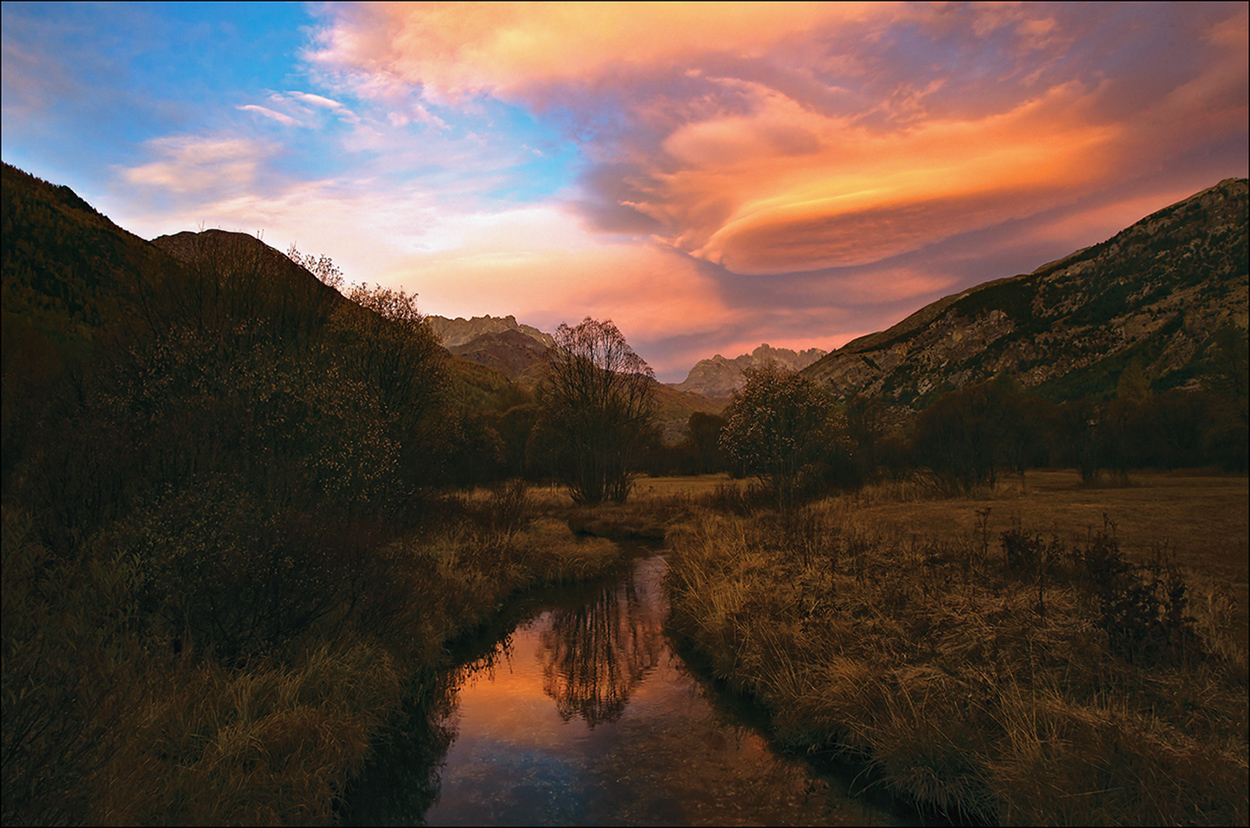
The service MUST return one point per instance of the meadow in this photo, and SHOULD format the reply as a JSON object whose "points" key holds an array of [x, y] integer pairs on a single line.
{"points": [[1042, 653]]}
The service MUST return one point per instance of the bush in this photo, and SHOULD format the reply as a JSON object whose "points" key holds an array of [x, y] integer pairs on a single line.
{"points": [[1142, 609]]}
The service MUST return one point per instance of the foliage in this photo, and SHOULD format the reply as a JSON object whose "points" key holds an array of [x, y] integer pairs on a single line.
{"points": [[597, 402], [1143, 610], [704, 442], [968, 436], [782, 428]]}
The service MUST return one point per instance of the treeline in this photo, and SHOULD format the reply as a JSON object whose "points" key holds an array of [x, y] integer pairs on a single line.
{"points": [[781, 428], [967, 438], [785, 430]]}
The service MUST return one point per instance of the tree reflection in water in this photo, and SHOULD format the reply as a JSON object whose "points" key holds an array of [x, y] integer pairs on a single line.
{"points": [[594, 656], [401, 779]]}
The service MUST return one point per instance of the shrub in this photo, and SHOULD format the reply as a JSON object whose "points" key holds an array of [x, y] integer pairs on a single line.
{"points": [[1142, 609]]}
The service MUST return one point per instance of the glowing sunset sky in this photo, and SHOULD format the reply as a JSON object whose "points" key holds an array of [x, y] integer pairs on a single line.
{"points": [[709, 176]]}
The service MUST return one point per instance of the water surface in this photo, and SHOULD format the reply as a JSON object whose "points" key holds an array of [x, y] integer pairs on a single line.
{"points": [[583, 714]]}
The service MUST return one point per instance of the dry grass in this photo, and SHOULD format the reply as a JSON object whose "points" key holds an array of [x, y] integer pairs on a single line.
{"points": [[271, 745], [273, 741], [683, 486], [919, 653], [1203, 519]]}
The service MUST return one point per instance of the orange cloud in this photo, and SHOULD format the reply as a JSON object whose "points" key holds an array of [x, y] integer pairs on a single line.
{"points": [[778, 138], [804, 191], [503, 48]]}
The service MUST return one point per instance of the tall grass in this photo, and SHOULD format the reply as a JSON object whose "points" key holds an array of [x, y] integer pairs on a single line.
{"points": [[117, 714], [982, 686]]}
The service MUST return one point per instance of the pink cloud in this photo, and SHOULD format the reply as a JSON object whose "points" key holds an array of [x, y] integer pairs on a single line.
{"points": [[190, 163], [775, 138], [539, 264]]}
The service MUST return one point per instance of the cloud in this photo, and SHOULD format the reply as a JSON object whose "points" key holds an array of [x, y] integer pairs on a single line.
{"points": [[460, 50], [710, 176], [190, 163], [773, 139], [801, 191], [337, 108], [296, 109], [269, 113], [541, 265]]}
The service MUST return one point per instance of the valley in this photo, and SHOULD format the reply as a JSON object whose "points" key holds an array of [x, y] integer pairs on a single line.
{"points": [[968, 556]]}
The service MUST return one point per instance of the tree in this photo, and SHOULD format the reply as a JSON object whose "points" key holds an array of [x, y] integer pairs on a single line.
{"points": [[596, 403], [782, 428], [323, 267], [967, 436], [705, 431]]}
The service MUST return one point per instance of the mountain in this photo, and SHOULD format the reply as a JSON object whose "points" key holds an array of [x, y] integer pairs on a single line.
{"points": [[461, 331], [512, 349], [720, 377], [674, 407], [1154, 293], [512, 353]]}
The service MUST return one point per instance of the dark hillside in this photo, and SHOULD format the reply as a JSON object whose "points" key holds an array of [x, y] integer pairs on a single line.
{"points": [[71, 280], [1156, 292], [66, 261]]}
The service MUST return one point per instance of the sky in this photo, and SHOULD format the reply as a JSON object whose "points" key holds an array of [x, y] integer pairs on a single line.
{"points": [[709, 176]]}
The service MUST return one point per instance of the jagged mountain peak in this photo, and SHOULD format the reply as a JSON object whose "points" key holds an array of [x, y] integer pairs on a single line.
{"points": [[720, 377], [460, 331]]}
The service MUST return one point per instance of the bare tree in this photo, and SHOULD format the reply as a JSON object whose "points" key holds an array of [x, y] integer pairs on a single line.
{"points": [[597, 400]]}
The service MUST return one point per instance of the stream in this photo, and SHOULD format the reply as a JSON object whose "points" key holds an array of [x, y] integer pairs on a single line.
{"points": [[580, 713]]}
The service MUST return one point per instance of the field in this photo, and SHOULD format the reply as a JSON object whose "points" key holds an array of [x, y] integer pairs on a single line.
{"points": [[1203, 518], [1043, 653]]}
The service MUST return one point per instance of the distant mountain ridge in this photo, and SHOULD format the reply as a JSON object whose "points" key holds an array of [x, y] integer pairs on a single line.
{"points": [[1154, 293], [720, 377], [460, 331]]}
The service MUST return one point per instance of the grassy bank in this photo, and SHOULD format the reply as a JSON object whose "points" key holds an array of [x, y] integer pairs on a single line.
{"points": [[117, 723], [1025, 679]]}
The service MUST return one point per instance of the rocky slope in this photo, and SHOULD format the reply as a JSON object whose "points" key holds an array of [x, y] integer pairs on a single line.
{"points": [[512, 353], [461, 331], [1154, 293], [512, 349], [720, 377]]}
